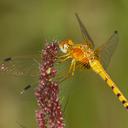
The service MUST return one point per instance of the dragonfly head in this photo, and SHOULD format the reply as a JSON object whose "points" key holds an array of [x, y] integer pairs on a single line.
{"points": [[65, 45]]}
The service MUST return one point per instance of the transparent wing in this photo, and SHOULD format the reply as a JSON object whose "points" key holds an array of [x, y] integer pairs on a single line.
{"points": [[84, 32], [20, 66], [106, 51]]}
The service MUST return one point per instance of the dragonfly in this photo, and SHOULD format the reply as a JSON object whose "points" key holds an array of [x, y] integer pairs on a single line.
{"points": [[85, 55]]}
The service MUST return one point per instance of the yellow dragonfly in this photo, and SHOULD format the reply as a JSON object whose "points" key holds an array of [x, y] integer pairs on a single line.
{"points": [[84, 55]]}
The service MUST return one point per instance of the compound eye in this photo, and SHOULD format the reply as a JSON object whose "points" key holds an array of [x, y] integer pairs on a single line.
{"points": [[64, 48]]}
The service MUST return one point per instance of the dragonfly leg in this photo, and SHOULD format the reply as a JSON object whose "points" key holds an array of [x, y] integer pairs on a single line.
{"points": [[72, 67], [63, 58], [70, 73]]}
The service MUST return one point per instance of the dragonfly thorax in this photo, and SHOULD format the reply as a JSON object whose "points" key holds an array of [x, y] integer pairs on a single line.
{"points": [[78, 52], [82, 53]]}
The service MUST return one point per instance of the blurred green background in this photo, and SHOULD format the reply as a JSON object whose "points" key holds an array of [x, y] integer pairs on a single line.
{"points": [[24, 27]]}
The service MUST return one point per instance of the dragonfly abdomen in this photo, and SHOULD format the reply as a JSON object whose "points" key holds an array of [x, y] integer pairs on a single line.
{"points": [[97, 67], [117, 92]]}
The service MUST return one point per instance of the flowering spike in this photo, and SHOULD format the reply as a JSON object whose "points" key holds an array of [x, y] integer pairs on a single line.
{"points": [[49, 113]]}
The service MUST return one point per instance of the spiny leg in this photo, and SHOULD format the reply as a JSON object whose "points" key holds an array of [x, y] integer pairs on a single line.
{"points": [[72, 67], [65, 75], [66, 58], [63, 58], [70, 73]]}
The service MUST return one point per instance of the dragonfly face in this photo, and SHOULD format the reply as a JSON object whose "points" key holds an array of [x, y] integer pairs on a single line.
{"points": [[65, 45]]}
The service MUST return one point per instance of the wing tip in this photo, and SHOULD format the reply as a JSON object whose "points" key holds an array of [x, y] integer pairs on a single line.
{"points": [[116, 31], [76, 14]]}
